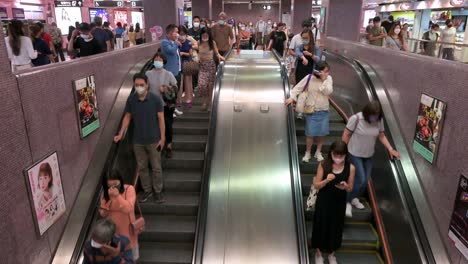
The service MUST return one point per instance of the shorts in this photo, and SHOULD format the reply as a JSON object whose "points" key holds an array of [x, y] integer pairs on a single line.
{"points": [[317, 124]]}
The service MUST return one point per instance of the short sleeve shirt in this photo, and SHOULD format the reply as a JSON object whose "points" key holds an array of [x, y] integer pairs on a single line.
{"points": [[87, 48], [194, 33], [362, 142], [375, 32], [186, 47], [102, 37], [222, 35], [158, 78], [145, 118], [278, 37]]}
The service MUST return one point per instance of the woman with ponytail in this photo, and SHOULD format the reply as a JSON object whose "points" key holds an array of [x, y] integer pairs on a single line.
{"points": [[19, 47]]}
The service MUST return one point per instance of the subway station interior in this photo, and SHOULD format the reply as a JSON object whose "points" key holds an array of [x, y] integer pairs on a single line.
{"points": [[214, 131]]}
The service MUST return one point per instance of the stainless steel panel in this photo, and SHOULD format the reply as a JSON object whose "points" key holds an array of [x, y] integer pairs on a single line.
{"points": [[251, 216]]}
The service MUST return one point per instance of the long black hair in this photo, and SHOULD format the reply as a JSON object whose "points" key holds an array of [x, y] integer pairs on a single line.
{"points": [[15, 32], [137, 27], [338, 148], [210, 37], [110, 176]]}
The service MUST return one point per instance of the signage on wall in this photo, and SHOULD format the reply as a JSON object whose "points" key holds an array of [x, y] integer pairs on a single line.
{"points": [[77, 3], [136, 3], [18, 13], [3, 13], [458, 228], [405, 6], [108, 3], [86, 105], [457, 3], [431, 116]]}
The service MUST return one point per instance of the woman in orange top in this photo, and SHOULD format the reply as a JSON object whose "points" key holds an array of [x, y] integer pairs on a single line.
{"points": [[118, 205], [243, 39]]}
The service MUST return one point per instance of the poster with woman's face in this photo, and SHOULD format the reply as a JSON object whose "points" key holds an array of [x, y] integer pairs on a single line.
{"points": [[46, 192]]}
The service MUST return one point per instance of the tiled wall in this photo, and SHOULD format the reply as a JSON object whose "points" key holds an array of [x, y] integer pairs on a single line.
{"points": [[405, 77], [38, 117]]}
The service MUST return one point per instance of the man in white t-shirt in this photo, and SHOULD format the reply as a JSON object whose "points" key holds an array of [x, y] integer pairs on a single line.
{"points": [[448, 35]]}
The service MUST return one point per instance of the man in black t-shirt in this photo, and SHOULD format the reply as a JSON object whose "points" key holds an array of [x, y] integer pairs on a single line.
{"points": [[101, 35], [195, 31], [109, 33], [83, 40], [388, 24], [278, 40]]}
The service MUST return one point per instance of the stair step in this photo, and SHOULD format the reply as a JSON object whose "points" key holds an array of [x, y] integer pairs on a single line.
{"points": [[169, 228], [194, 117], [182, 181], [179, 204], [301, 145], [191, 160], [336, 129], [309, 167], [356, 236], [190, 128], [165, 253], [353, 257], [189, 142]]}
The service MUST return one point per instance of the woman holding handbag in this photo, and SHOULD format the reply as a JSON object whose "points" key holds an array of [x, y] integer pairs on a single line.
{"points": [[311, 95], [118, 204]]}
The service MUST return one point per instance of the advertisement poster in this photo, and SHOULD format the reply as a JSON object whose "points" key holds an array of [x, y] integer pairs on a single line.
{"points": [[181, 16], [67, 16], [137, 17], [458, 228], [18, 13], [46, 192], [98, 12], [431, 115], [3, 13], [86, 104], [120, 16]]}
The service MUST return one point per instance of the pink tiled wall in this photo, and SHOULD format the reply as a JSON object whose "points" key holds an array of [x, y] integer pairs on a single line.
{"points": [[38, 117], [405, 77]]}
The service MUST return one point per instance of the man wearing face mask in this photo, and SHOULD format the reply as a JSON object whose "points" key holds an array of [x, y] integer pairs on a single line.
{"points": [[377, 33], [194, 32], [432, 36], [146, 109], [448, 35], [83, 40], [222, 34]]}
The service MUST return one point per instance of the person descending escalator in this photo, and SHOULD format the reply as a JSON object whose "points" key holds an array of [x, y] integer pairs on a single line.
{"points": [[360, 134], [334, 179], [118, 204], [279, 40], [308, 54], [146, 109]]}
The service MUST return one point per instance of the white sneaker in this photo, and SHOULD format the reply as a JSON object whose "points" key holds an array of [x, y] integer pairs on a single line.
{"points": [[318, 156], [332, 259], [183, 94], [356, 203], [349, 210], [174, 115], [306, 157], [318, 259], [178, 112]]}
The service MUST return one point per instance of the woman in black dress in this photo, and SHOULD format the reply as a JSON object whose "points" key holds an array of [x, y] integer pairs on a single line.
{"points": [[307, 55], [335, 177]]}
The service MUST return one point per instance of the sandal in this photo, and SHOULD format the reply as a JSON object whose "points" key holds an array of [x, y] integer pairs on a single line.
{"points": [[188, 104]]}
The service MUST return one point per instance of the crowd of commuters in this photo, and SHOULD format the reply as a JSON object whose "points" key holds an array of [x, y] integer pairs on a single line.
{"points": [[395, 35]]}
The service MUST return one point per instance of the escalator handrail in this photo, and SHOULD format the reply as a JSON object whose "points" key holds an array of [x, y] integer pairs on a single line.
{"points": [[200, 230], [429, 237], [294, 168]]}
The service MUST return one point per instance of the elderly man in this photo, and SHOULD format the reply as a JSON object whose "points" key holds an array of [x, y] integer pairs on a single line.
{"points": [[222, 34]]}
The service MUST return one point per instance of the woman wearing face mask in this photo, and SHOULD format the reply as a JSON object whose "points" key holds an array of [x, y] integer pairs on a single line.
{"points": [[118, 205], [395, 39], [207, 49], [361, 132], [251, 29], [319, 86], [335, 178], [163, 83], [243, 39], [308, 54], [278, 40], [186, 52]]}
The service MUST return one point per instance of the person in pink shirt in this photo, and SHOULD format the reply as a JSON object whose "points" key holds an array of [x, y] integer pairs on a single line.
{"points": [[118, 205]]}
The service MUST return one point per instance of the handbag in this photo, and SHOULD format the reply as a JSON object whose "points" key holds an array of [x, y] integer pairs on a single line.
{"points": [[190, 68], [138, 226], [302, 105], [312, 199]]}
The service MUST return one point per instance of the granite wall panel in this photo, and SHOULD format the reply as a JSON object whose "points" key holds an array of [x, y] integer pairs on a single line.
{"points": [[40, 117], [406, 76]]}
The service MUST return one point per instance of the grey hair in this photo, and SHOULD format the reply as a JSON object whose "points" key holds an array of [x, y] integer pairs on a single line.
{"points": [[103, 231]]}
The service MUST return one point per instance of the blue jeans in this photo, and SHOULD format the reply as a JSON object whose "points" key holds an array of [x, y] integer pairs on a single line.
{"points": [[363, 170]]}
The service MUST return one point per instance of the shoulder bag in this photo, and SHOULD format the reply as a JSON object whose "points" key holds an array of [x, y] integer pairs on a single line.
{"points": [[138, 226], [312, 199], [303, 105]]}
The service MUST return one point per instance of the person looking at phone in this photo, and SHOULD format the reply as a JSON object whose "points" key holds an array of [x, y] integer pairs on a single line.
{"points": [[118, 205], [146, 109]]}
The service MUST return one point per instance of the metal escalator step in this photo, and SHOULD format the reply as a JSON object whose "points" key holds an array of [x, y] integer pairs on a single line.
{"points": [[169, 228], [336, 129], [353, 257], [194, 117], [189, 142], [309, 167], [190, 128], [165, 253], [356, 236], [192, 160], [301, 144], [182, 181], [180, 204]]}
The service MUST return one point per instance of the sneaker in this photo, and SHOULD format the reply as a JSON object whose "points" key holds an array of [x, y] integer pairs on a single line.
{"points": [[174, 115], [356, 203], [145, 197], [300, 116], [318, 156], [306, 157], [332, 259], [318, 259], [349, 210], [159, 198], [178, 112]]}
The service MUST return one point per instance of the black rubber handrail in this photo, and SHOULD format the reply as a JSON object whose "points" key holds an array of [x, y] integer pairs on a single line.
{"points": [[296, 180], [200, 230]]}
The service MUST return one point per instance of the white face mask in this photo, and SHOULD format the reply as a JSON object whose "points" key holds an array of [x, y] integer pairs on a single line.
{"points": [[205, 39], [140, 90], [338, 160], [196, 24], [242, 28], [397, 31]]}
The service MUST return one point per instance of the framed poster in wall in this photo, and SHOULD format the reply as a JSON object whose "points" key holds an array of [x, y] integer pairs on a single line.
{"points": [[458, 228], [86, 105], [431, 115], [44, 184]]}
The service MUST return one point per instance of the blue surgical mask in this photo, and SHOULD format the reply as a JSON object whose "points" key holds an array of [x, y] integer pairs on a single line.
{"points": [[158, 64], [221, 22], [305, 41], [374, 118]]}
